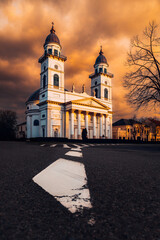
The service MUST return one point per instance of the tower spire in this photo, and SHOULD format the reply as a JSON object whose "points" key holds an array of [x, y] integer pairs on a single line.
{"points": [[101, 52], [52, 29]]}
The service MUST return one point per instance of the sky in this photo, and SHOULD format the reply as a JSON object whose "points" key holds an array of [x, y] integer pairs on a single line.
{"points": [[82, 27]]}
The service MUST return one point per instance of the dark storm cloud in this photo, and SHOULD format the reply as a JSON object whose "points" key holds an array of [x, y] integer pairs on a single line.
{"points": [[82, 26]]}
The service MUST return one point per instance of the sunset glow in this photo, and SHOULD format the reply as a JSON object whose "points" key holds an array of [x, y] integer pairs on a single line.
{"points": [[82, 27]]}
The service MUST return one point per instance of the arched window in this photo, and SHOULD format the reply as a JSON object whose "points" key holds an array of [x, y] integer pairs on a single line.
{"points": [[100, 70], [96, 71], [106, 93], [56, 80], [44, 81], [55, 52], [96, 93], [36, 123]]}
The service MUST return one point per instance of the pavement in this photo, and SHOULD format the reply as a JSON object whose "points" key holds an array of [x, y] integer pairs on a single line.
{"points": [[123, 181]]}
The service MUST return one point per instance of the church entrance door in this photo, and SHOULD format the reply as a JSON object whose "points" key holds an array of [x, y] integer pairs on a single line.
{"points": [[56, 131]]}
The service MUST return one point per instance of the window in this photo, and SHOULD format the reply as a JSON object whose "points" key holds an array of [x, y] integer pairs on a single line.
{"points": [[27, 107], [44, 68], [106, 82], [95, 82], [36, 123], [43, 95], [106, 93], [44, 81], [56, 66], [50, 50], [55, 52], [100, 70], [96, 71], [43, 116], [45, 52], [105, 70], [96, 93], [56, 80]]}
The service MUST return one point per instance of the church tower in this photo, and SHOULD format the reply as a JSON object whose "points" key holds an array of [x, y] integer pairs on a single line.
{"points": [[52, 67], [101, 84]]}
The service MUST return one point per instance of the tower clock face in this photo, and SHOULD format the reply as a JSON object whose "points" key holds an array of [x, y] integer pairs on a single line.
{"points": [[56, 67]]}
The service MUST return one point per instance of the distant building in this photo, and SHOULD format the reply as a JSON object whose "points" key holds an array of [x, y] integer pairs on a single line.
{"points": [[21, 130], [52, 111], [130, 129], [126, 129]]}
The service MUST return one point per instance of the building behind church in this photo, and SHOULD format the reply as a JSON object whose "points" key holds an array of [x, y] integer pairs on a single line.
{"points": [[52, 111], [147, 129]]}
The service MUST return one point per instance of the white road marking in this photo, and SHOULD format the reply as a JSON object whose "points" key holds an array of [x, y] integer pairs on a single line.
{"points": [[76, 149], [42, 145], [78, 146], [53, 145], [65, 146], [84, 145], [65, 180], [74, 154]]}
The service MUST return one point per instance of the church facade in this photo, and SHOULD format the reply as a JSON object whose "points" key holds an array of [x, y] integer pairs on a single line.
{"points": [[52, 111]]}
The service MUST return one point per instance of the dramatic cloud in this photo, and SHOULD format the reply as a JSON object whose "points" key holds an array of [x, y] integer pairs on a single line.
{"points": [[82, 26]]}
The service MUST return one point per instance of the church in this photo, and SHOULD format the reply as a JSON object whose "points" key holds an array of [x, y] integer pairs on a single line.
{"points": [[53, 111]]}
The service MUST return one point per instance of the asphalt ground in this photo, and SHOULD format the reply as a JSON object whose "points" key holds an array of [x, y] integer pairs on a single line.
{"points": [[124, 184]]}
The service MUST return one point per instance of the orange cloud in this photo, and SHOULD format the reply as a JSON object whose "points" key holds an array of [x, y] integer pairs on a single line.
{"points": [[82, 26]]}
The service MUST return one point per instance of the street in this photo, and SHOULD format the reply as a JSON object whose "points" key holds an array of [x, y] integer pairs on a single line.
{"points": [[122, 183]]}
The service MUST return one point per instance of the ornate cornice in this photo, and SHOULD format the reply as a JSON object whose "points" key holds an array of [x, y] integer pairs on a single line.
{"points": [[53, 69], [48, 101], [45, 56]]}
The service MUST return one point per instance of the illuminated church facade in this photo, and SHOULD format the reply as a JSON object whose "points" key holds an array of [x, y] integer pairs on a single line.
{"points": [[53, 111]]}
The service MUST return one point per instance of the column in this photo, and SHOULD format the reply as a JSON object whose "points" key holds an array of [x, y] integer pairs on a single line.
{"points": [[62, 123], [111, 126], [67, 130], [100, 126], [72, 124], [48, 122], [94, 125], [86, 121], [106, 127], [79, 124]]}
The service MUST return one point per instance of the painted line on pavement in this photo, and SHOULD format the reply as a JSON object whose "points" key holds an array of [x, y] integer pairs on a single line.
{"points": [[78, 146], [76, 149], [53, 145], [74, 154], [66, 146]]}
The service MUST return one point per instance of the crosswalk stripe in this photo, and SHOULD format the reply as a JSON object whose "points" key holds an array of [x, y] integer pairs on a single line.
{"points": [[53, 145], [74, 154], [65, 146], [78, 146], [84, 145], [76, 149]]}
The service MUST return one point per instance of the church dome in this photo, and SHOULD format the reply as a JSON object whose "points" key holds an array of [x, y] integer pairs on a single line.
{"points": [[52, 37], [101, 58], [34, 96]]}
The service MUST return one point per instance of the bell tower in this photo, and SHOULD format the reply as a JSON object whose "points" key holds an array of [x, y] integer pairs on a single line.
{"points": [[52, 66], [101, 84]]}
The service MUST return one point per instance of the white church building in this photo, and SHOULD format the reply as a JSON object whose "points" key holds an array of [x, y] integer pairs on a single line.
{"points": [[53, 111]]}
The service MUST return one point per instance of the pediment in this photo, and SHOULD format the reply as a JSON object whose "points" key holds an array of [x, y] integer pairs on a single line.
{"points": [[90, 102]]}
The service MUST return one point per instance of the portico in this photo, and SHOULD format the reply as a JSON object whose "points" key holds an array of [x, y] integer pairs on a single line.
{"points": [[89, 114]]}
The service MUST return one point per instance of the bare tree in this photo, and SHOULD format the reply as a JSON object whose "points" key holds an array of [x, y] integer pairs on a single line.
{"points": [[143, 78]]}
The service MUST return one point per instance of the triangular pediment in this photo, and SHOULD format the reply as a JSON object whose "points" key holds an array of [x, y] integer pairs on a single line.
{"points": [[90, 102]]}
